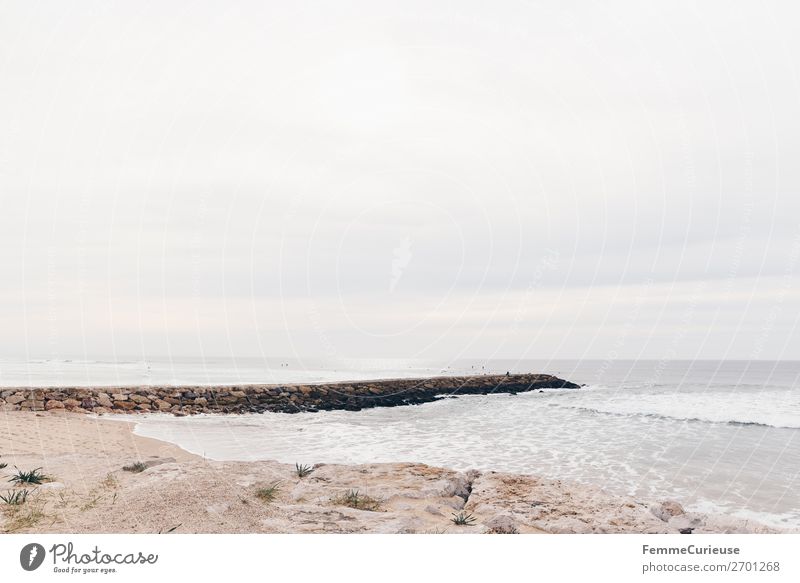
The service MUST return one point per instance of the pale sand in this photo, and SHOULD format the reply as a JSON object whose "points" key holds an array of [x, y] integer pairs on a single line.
{"points": [[90, 492]]}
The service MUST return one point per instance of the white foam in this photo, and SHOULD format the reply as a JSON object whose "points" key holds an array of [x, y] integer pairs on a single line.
{"points": [[775, 407], [748, 468]]}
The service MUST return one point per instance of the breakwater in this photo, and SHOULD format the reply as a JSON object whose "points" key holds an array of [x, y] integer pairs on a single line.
{"points": [[294, 398]]}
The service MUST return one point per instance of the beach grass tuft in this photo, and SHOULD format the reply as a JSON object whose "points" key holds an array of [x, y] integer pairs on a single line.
{"points": [[135, 468], [302, 470], [15, 497], [34, 476], [354, 499], [91, 503], [463, 519], [268, 494], [22, 518]]}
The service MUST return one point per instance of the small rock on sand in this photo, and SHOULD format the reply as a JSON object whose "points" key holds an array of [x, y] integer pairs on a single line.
{"points": [[502, 524], [667, 510], [431, 509], [217, 508]]}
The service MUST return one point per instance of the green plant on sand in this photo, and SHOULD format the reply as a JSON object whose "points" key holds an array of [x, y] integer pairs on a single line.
{"points": [[34, 476], [463, 519], [268, 494], [354, 499], [15, 497], [302, 470]]}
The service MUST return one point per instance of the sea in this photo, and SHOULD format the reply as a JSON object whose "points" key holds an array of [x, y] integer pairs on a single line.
{"points": [[718, 436]]}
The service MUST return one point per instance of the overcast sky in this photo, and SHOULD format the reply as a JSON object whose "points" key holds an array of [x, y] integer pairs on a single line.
{"points": [[400, 179]]}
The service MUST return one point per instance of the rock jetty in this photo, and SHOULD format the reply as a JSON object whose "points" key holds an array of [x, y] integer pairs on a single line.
{"points": [[351, 396]]}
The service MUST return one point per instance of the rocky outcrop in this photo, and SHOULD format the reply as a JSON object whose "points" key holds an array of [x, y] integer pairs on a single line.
{"points": [[277, 398]]}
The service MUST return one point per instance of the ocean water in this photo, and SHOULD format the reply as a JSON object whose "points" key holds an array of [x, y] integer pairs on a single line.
{"points": [[719, 436]]}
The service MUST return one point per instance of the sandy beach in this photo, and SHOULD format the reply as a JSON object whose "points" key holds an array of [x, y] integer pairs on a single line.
{"points": [[89, 492]]}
